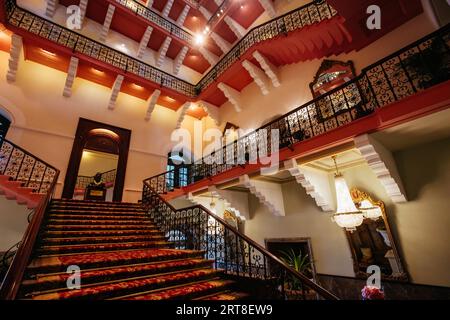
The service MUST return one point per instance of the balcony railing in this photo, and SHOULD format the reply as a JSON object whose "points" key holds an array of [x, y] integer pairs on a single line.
{"points": [[196, 228], [24, 167], [419, 66], [309, 14], [46, 29], [150, 15], [108, 178]]}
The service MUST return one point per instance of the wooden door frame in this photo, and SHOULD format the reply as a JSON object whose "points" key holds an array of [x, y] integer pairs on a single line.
{"points": [[83, 133]]}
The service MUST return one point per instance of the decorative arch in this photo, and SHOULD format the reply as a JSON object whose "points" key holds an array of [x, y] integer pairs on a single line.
{"points": [[113, 139]]}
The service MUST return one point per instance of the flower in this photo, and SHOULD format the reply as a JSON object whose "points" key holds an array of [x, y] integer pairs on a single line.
{"points": [[372, 293]]}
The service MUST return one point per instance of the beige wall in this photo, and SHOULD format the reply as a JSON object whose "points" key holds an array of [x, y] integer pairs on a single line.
{"points": [[420, 226], [41, 114], [13, 222]]}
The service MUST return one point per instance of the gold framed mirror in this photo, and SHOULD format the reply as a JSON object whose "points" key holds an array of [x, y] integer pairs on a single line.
{"points": [[372, 243]]}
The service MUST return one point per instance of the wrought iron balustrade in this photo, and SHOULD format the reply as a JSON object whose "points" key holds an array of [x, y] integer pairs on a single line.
{"points": [[32, 172], [196, 228], [309, 14], [150, 15], [22, 166], [415, 68], [46, 29]]}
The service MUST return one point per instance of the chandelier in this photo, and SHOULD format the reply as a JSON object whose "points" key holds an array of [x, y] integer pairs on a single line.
{"points": [[347, 215]]}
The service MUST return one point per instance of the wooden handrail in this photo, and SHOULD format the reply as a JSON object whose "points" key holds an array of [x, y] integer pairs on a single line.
{"points": [[311, 284]]}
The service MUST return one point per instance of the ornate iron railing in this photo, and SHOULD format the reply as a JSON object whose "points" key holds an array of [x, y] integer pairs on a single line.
{"points": [[22, 166], [150, 15], [415, 68], [108, 177], [309, 14], [196, 228]]}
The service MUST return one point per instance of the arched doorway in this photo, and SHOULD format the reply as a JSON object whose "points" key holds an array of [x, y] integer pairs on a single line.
{"points": [[99, 150]]}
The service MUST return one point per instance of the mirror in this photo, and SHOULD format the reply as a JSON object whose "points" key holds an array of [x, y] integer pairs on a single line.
{"points": [[372, 243], [96, 176], [330, 75]]}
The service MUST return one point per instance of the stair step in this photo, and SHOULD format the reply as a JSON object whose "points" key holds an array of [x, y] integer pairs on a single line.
{"points": [[95, 247], [45, 282], [100, 233], [189, 291], [102, 210], [95, 227], [131, 286], [98, 260], [225, 296], [95, 203], [98, 222], [57, 212], [97, 217], [87, 240]]}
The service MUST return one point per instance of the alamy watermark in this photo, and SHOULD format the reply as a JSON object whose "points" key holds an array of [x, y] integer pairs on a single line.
{"points": [[258, 148]]}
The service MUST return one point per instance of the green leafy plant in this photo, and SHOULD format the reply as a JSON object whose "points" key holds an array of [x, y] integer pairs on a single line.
{"points": [[298, 262]]}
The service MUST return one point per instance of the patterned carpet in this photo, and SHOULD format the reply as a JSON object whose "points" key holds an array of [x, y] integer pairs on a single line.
{"points": [[121, 255]]}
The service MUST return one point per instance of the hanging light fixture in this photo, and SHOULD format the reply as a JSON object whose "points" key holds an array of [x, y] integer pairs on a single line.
{"points": [[347, 215], [369, 211]]}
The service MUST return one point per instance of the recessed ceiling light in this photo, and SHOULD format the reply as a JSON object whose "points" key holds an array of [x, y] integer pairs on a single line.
{"points": [[97, 71], [199, 39], [48, 52], [137, 86]]}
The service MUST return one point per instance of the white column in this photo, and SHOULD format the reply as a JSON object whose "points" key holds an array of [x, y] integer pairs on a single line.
{"points": [[50, 9], [270, 70], [182, 113], [232, 95], [107, 23], [268, 7], [316, 184], [205, 12], [161, 55], [224, 45], [71, 74], [115, 92], [144, 42], [258, 76], [179, 60], [182, 18], [237, 29], [167, 8], [383, 165], [268, 193], [83, 7], [209, 56], [152, 103]]}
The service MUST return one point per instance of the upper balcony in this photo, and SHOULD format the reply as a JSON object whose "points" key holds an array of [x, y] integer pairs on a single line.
{"points": [[406, 85], [312, 31]]}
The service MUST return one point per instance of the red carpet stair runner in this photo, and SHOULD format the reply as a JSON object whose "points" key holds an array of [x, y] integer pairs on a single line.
{"points": [[121, 254]]}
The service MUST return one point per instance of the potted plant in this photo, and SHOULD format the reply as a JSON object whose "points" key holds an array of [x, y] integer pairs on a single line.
{"points": [[294, 288]]}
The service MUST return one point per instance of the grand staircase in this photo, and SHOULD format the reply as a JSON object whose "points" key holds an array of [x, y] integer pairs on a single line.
{"points": [[121, 254]]}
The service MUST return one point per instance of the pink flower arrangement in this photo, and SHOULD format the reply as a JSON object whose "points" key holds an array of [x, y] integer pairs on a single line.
{"points": [[372, 293]]}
